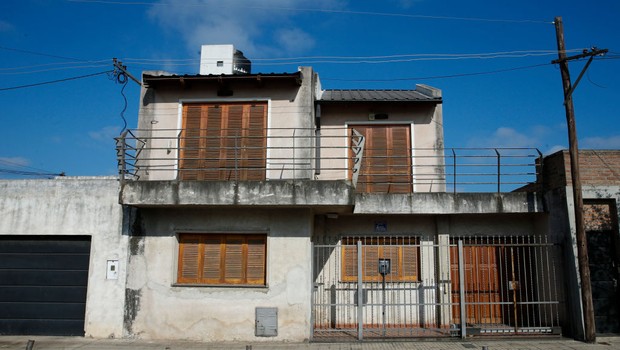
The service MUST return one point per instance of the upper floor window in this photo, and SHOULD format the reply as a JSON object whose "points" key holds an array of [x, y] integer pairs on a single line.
{"points": [[386, 161], [223, 141]]}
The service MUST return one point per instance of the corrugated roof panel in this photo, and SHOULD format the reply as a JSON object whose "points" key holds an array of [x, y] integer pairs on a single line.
{"points": [[376, 96]]}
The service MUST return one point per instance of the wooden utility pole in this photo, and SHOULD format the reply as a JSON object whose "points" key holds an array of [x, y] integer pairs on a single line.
{"points": [[582, 244]]}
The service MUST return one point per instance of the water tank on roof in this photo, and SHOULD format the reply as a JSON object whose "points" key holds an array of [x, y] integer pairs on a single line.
{"points": [[223, 59]]}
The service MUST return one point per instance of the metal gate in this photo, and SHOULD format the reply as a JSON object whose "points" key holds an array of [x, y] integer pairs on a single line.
{"points": [[408, 287]]}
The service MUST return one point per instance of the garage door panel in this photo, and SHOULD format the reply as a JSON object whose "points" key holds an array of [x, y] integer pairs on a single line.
{"points": [[42, 294], [43, 283], [42, 327], [34, 244], [52, 311], [44, 277], [49, 261]]}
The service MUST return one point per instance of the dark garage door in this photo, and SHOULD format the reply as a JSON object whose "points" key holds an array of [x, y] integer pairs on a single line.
{"points": [[43, 284]]}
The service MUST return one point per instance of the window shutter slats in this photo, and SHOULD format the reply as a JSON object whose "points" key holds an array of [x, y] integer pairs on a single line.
{"points": [[256, 261], [233, 260], [386, 162], [190, 259], [215, 134], [212, 260], [211, 154], [410, 263], [190, 143], [349, 267]]}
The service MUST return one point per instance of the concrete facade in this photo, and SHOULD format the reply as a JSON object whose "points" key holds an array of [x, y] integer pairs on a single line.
{"points": [[76, 206]]}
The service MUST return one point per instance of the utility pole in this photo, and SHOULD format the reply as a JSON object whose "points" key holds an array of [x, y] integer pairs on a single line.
{"points": [[582, 244], [121, 73]]}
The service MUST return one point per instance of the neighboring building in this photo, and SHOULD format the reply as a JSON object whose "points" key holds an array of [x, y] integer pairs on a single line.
{"points": [[600, 178], [261, 207]]}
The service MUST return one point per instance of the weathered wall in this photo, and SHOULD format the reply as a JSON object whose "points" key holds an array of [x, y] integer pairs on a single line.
{"points": [[158, 308], [75, 206]]}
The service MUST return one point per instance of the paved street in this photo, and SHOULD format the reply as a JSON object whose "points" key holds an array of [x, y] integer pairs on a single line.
{"points": [[21, 342]]}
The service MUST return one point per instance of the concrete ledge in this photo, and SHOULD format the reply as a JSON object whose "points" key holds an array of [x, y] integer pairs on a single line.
{"points": [[243, 193], [448, 203]]}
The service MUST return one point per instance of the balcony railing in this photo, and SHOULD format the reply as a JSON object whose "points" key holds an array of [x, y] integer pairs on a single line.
{"points": [[326, 154]]}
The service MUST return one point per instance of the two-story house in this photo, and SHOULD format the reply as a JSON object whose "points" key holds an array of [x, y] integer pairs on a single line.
{"points": [[262, 205]]}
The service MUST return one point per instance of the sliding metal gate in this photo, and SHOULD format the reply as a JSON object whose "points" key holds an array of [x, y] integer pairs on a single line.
{"points": [[405, 287]]}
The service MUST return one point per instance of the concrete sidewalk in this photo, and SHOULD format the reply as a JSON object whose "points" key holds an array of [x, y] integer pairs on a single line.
{"points": [[40, 342]]}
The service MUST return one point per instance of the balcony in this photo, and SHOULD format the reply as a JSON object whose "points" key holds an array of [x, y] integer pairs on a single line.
{"points": [[330, 168]]}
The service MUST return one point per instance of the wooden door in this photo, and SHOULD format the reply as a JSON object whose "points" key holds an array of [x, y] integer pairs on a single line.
{"points": [[482, 284]]}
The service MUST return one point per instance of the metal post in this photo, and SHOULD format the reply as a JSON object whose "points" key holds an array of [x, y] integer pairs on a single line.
{"points": [[453, 170], [360, 293], [383, 303], [499, 171], [462, 305]]}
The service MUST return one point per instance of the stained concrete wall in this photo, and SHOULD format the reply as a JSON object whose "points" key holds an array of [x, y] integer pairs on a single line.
{"points": [[158, 308], [76, 206]]}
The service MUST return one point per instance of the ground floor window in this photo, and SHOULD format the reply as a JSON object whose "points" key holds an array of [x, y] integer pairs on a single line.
{"points": [[222, 259], [402, 252]]}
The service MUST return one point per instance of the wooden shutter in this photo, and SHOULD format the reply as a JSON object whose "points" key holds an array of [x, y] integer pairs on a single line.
{"points": [[410, 263], [386, 161], [212, 132], [212, 260], [256, 258], [233, 260], [190, 143], [189, 259], [399, 159], [223, 142], [349, 260], [255, 143]]}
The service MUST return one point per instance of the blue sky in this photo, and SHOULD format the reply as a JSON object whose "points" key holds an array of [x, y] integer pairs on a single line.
{"points": [[68, 126]]}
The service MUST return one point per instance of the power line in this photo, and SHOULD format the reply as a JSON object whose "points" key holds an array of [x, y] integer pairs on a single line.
{"points": [[347, 12], [40, 53], [54, 81], [29, 173], [442, 76]]}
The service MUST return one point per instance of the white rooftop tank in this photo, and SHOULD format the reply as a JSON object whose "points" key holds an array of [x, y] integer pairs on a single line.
{"points": [[223, 59]]}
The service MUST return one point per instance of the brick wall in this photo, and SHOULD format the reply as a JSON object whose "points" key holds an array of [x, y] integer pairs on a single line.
{"points": [[597, 167]]}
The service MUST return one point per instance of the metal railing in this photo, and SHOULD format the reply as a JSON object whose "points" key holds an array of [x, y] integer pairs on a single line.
{"points": [[326, 154]]}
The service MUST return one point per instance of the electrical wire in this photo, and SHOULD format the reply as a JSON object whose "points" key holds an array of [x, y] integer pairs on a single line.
{"points": [[317, 10], [29, 173], [54, 81], [16, 164]]}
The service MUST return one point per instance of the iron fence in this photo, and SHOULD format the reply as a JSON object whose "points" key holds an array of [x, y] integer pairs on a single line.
{"points": [[450, 287], [326, 154]]}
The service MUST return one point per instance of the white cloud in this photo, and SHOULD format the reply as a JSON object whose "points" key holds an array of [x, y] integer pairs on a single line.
{"points": [[258, 28], [611, 142], [537, 136], [105, 134], [507, 137]]}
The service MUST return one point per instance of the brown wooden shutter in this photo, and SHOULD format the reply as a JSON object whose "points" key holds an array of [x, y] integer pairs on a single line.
{"points": [[391, 252], [371, 263], [386, 161], [255, 143], [190, 143], [212, 260], [349, 266], [234, 260], [211, 154], [410, 263], [189, 259], [399, 158], [256, 260]]}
